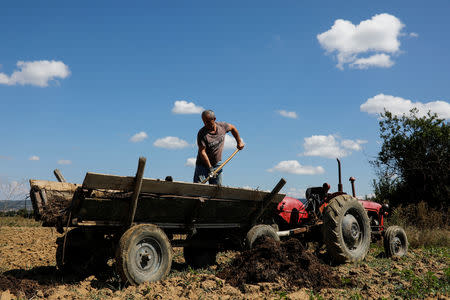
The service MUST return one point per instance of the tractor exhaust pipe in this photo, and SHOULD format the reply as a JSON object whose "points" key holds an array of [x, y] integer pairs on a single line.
{"points": [[352, 180], [340, 188]]}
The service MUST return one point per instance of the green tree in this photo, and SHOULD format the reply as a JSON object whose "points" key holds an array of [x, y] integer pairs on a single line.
{"points": [[414, 162]]}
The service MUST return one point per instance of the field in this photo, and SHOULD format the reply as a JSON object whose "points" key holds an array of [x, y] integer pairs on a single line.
{"points": [[28, 270]]}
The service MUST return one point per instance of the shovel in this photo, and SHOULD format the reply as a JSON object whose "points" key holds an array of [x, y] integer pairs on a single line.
{"points": [[220, 167]]}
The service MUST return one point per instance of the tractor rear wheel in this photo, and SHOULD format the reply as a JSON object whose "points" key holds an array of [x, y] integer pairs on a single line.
{"points": [[346, 229], [395, 242], [144, 254], [259, 231]]}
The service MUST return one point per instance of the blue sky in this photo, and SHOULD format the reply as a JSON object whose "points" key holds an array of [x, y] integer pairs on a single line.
{"points": [[302, 81]]}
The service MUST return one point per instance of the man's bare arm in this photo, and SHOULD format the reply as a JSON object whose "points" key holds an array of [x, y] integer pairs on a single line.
{"points": [[204, 156], [235, 133]]}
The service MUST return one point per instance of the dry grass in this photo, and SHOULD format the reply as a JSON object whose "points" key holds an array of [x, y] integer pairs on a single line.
{"points": [[18, 221], [424, 227], [428, 237]]}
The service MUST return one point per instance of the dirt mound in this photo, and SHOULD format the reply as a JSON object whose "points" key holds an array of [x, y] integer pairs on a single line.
{"points": [[272, 261]]}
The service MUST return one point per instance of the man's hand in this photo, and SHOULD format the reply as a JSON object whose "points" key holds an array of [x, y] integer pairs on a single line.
{"points": [[240, 145], [211, 173]]}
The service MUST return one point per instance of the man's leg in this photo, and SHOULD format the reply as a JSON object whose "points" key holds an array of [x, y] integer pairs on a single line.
{"points": [[200, 173]]}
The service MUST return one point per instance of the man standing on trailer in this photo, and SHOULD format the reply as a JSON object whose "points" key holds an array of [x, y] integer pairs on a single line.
{"points": [[210, 141]]}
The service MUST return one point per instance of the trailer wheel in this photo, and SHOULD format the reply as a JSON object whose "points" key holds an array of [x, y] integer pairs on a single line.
{"points": [[84, 253], [199, 256], [259, 231], [346, 229], [395, 242], [144, 254]]}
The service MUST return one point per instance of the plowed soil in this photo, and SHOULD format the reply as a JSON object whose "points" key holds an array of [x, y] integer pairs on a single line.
{"points": [[286, 271], [273, 261]]}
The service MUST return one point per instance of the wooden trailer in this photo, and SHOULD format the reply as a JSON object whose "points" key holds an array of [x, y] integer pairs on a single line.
{"points": [[137, 221]]}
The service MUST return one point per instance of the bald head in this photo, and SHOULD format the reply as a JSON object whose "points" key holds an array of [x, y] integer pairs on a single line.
{"points": [[209, 119], [209, 114]]}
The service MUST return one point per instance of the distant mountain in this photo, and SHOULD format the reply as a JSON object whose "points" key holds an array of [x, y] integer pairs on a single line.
{"points": [[12, 205]]}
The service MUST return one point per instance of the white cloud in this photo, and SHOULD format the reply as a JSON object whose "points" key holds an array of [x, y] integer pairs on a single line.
{"points": [[171, 142], [353, 145], [139, 137], [413, 34], [330, 146], [64, 162], [288, 114], [230, 142], [37, 73], [377, 60], [296, 193], [184, 107], [380, 34], [190, 162], [294, 167], [34, 157], [399, 106]]}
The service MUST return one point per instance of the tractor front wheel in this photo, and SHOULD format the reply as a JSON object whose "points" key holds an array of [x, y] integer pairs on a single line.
{"points": [[259, 231], [346, 229], [395, 242]]}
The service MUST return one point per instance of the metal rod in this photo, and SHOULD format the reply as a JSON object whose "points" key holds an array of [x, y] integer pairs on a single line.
{"points": [[266, 201]]}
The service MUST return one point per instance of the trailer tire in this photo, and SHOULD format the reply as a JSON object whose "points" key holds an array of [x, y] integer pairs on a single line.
{"points": [[144, 254], [395, 242], [346, 229], [83, 253], [259, 231], [199, 257]]}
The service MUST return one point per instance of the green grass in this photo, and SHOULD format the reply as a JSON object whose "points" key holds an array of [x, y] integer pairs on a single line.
{"points": [[422, 286], [18, 221]]}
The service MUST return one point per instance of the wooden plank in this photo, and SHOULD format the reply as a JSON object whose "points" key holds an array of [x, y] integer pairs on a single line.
{"points": [[164, 210], [37, 205], [126, 183], [44, 198], [75, 222], [59, 175], [54, 185], [137, 189]]}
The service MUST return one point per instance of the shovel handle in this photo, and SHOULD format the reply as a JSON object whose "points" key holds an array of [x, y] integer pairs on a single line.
{"points": [[221, 166]]}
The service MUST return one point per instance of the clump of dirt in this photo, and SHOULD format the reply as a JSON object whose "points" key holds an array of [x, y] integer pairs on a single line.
{"points": [[272, 261], [17, 286]]}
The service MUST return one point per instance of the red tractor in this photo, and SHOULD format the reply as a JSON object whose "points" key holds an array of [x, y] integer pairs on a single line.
{"points": [[346, 224]]}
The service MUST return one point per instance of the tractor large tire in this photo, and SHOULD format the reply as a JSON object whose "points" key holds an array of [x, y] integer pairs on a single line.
{"points": [[395, 242], [346, 229], [144, 254], [259, 231], [196, 254], [83, 254]]}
